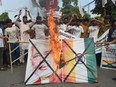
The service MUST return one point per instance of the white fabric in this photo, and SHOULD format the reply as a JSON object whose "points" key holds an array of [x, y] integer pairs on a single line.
{"points": [[12, 32], [93, 32], [24, 37], [24, 27], [62, 27], [1, 40], [77, 30], [39, 30], [69, 27]]}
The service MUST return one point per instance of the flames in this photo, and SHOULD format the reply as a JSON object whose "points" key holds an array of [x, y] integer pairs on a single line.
{"points": [[54, 40]]}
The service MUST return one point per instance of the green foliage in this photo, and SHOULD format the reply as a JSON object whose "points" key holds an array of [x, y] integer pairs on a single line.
{"points": [[110, 8], [86, 14], [4, 16], [68, 8]]}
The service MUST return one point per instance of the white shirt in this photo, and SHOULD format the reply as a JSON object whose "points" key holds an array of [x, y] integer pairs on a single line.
{"points": [[12, 32], [69, 27], [77, 30], [1, 40], [93, 32], [62, 27], [39, 30], [24, 27]]}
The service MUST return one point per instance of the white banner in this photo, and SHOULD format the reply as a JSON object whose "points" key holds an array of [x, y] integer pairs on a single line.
{"points": [[102, 38], [65, 35], [109, 57]]}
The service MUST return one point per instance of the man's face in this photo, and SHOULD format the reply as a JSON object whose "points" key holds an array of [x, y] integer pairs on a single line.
{"points": [[25, 20], [85, 23], [36, 58], [39, 21], [94, 23], [9, 24], [78, 23], [65, 21]]}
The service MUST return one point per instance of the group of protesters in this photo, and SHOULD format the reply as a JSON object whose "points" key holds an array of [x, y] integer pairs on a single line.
{"points": [[18, 32]]}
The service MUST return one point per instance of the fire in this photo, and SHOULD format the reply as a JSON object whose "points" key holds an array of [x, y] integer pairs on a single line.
{"points": [[54, 40]]}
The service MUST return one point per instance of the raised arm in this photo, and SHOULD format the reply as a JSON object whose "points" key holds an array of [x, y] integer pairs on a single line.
{"points": [[101, 22], [17, 19], [74, 14], [29, 15]]}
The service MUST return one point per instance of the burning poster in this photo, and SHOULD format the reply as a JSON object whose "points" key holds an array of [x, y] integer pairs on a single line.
{"points": [[109, 57], [43, 74], [77, 62]]}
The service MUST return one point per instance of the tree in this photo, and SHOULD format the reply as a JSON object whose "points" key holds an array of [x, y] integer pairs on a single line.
{"points": [[4, 16], [110, 8], [71, 6]]}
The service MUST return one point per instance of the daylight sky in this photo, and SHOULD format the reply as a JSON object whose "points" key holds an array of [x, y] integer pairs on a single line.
{"points": [[15, 4]]}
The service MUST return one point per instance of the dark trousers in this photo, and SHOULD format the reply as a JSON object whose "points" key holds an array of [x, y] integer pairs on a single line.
{"points": [[6, 60], [1, 56], [26, 56], [98, 58], [15, 54]]}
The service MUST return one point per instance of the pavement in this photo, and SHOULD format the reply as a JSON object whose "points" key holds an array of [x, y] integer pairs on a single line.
{"points": [[16, 79]]}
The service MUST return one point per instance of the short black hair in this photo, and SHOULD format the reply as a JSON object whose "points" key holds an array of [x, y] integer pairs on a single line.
{"points": [[24, 16], [8, 21], [78, 20], [85, 20], [38, 18]]}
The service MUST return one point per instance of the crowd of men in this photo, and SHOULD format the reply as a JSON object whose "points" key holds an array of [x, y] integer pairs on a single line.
{"points": [[11, 33]]}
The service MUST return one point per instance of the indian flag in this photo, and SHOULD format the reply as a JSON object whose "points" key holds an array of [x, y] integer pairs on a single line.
{"points": [[81, 58]]}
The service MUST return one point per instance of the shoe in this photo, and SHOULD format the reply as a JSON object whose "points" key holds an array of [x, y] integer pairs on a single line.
{"points": [[3, 69], [114, 79]]}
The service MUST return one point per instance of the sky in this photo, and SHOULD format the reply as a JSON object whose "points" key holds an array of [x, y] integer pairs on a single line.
{"points": [[15, 4]]}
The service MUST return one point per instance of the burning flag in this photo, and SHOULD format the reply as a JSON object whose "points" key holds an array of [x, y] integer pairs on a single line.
{"points": [[54, 40]]}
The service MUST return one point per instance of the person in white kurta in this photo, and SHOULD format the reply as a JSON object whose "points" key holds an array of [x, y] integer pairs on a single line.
{"points": [[24, 26], [93, 31], [39, 29]]}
